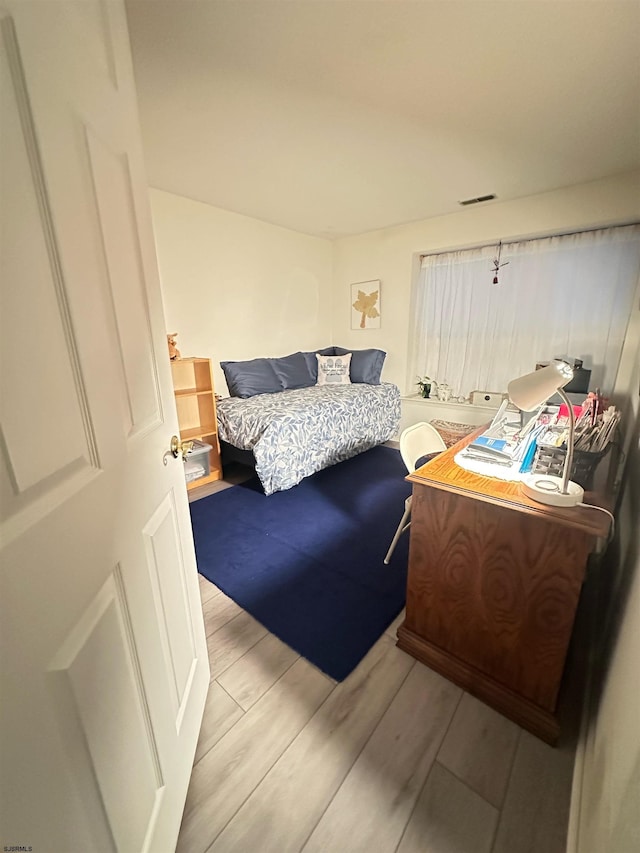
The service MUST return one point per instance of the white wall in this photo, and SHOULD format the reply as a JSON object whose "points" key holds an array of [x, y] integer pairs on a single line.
{"points": [[605, 813], [235, 288], [391, 254]]}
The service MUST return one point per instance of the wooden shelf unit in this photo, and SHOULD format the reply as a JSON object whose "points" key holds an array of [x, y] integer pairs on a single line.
{"points": [[196, 405]]}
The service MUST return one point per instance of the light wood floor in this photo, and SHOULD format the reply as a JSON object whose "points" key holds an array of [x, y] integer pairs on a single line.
{"points": [[394, 758]]}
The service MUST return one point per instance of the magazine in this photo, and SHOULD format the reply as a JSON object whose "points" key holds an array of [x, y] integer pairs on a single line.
{"points": [[506, 442]]}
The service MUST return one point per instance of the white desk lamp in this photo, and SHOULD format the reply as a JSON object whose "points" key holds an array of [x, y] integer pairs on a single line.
{"points": [[527, 393]]}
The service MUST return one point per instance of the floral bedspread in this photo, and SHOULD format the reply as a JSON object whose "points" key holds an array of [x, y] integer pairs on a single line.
{"points": [[293, 434]]}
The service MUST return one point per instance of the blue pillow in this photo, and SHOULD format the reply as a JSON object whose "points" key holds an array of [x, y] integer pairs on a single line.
{"points": [[293, 371], [248, 378], [366, 364]]}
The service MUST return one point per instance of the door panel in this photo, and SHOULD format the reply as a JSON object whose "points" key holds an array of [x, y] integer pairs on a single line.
{"points": [[98, 661], [170, 593], [89, 24], [38, 308], [104, 669], [132, 344]]}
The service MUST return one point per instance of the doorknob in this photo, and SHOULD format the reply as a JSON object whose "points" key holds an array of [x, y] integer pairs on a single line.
{"points": [[180, 447]]}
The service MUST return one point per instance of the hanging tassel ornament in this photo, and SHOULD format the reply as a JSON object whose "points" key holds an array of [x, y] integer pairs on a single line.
{"points": [[497, 264]]}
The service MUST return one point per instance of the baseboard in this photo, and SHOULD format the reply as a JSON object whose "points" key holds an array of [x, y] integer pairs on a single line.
{"points": [[577, 783]]}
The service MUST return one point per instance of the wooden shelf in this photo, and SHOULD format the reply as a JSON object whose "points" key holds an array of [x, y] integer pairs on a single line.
{"points": [[190, 392], [192, 373], [199, 432], [196, 407]]}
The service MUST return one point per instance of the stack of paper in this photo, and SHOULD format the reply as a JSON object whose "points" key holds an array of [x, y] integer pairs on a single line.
{"points": [[504, 443]]}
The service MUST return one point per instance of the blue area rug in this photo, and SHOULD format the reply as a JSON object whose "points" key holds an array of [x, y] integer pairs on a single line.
{"points": [[307, 563]]}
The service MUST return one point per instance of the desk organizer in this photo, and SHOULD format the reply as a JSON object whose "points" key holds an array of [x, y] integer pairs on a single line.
{"points": [[550, 460]]}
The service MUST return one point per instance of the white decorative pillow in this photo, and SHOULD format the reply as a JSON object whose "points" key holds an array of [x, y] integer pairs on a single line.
{"points": [[334, 369]]}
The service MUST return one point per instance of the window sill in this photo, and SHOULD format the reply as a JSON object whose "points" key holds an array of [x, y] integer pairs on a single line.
{"points": [[451, 404]]}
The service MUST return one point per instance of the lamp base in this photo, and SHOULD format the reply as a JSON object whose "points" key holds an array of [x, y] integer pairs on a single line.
{"points": [[546, 489]]}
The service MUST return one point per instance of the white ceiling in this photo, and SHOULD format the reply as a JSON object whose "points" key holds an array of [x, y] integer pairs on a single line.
{"points": [[336, 117]]}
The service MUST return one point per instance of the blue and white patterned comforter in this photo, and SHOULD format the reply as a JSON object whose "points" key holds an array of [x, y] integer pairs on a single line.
{"points": [[293, 434]]}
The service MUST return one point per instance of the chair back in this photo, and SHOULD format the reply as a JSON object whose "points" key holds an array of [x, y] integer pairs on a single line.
{"points": [[417, 441]]}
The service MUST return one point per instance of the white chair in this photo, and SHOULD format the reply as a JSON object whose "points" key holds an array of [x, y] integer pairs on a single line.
{"points": [[415, 442]]}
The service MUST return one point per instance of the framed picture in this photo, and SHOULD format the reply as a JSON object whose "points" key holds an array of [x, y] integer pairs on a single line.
{"points": [[365, 305]]}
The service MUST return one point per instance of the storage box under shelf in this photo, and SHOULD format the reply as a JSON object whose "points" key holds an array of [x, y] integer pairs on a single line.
{"points": [[197, 463]]}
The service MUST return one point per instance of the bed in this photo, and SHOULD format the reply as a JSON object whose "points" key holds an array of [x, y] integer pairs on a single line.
{"points": [[295, 432]]}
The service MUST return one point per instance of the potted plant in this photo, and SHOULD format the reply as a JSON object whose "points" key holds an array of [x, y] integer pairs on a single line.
{"points": [[424, 384]]}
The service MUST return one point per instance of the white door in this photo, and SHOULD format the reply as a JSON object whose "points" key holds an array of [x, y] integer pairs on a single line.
{"points": [[103, 657]]}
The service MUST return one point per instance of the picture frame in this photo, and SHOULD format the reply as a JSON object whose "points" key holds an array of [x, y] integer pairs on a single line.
{"points": [[365, 304]]}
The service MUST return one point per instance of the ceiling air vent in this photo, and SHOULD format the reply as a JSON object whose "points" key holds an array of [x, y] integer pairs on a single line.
{"points": [[478, 199]]}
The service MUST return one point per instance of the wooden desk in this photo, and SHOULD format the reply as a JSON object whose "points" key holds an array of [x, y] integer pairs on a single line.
{"points": [[493, 586]]}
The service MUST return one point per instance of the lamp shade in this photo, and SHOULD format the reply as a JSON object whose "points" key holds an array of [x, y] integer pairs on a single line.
{"points": [[531, 390]]}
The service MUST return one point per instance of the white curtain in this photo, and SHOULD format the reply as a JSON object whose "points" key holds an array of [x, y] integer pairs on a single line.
{"points": [[558, 296]]}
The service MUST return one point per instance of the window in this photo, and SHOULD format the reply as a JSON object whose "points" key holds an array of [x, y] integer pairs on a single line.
{"points": [[558, 296]]}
